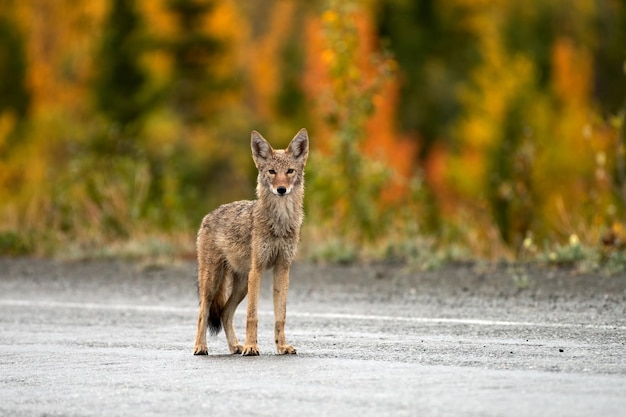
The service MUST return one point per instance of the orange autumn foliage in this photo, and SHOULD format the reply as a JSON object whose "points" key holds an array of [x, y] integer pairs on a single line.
{"points": [[382, 141]]}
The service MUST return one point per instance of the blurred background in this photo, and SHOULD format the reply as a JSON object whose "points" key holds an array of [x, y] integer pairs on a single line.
{"points": [[440, 129]]}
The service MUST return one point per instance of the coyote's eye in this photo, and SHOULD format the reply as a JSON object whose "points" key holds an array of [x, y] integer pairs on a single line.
{"points": [[290, 171], [271, 171]]}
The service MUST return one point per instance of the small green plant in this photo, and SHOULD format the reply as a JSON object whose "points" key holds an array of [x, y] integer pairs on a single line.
{"points": [[336, 251], [569, 254], [419, 254], [614, 262], [519, 275], [14, 244]]}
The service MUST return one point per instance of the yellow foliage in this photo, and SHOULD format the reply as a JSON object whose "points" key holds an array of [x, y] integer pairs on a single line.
{"points": [[538, 114], [157, 18], [499, 82], [7, 124], [572, 72], [263, 60], [60, 55], [225, 24]]}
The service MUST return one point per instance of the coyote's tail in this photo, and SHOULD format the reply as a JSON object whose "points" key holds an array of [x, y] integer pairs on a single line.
{"points": [[215, 317]]}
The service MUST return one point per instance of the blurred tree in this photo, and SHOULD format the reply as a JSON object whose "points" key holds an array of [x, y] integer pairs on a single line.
{"points": [[348, 184], [196, 82], [512, 108], [290, 100], [610, 55], [14, 95], [498, 128], [600, 26], [121, 81], [509, 187], [275, 64], [436, 51]]}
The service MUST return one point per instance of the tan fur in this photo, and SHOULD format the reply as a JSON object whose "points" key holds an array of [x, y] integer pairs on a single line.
{"points": [[238, 241]]}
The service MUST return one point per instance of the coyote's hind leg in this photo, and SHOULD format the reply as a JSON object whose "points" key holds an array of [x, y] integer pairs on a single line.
{"points": [[209, 279], [238, 293]]}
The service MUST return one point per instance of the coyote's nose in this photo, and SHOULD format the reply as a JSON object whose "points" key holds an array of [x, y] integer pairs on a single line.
{"points": [[281, 190]]}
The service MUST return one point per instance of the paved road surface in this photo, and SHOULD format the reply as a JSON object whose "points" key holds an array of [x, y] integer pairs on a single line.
{"points": [[116, 339]]}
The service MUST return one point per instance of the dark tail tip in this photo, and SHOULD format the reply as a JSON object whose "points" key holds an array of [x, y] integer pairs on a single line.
{"points": [[215, 319]]}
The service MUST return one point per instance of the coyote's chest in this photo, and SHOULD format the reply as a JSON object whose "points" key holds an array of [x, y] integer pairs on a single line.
{"points": [[268, 251], [276, 237], [279, 219]]}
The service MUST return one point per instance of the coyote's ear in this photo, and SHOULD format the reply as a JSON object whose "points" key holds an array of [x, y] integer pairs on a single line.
{"points": [[261, 149], [299, 146]]}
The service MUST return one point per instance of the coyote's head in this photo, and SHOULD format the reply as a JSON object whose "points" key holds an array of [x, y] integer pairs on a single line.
{"points": [[280, 171]]}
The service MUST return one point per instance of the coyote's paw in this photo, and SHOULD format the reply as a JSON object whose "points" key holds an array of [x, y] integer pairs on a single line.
{"points": [[236, 348], [201, 350], [250, 350], [286, 350]]}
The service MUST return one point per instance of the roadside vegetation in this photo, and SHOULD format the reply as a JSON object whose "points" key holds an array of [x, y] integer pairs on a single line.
{"points": [[441, 132]]}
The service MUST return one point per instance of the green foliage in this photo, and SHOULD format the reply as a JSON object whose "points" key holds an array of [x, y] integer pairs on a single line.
{"points": [[14, 96], [613, 262], [510, 182], [149, 173], [497, 116], [108, 202], [618, 123], [582, 257], [569, 254], [290, 103], [121, 81], [335, 250], [195, 84], [15, 244], [436, 51], [345, 184]]}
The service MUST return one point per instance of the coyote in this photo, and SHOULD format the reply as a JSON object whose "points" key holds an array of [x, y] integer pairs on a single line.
{"points": [[238, 241]]}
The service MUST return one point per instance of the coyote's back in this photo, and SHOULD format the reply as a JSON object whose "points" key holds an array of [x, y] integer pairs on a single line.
{"points": [[238, 241]]}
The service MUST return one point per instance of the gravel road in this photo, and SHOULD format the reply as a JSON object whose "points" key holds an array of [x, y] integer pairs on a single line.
{"points": [[113, 338]]}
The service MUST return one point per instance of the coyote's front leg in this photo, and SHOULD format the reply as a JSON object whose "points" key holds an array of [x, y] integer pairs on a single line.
{"points": [[251, 347], [281, 286]]}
